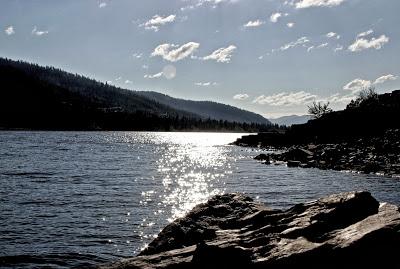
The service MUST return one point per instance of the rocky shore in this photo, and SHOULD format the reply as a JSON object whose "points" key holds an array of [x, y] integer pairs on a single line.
{"points": [[376, 155], [232, 231]]}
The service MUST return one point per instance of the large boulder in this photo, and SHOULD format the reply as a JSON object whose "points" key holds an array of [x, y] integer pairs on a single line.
{"points": [[232, 231]]}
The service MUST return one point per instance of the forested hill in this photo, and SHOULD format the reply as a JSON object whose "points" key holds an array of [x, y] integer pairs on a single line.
{"points": [[35, 97], [207, 109]]}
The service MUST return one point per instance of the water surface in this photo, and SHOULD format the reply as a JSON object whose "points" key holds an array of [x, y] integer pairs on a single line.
{"points": [[70, 199]]}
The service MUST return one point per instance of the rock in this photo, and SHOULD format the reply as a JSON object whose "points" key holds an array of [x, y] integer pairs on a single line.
{"points": [[293, 163], [298, 154], [232, 231], [262, 157]]}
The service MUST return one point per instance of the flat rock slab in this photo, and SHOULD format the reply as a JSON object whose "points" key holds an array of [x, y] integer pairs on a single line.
{"points": [[232, 231]]}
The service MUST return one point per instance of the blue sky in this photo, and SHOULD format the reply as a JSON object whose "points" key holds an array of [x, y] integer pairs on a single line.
{"points": [[272, 57]]}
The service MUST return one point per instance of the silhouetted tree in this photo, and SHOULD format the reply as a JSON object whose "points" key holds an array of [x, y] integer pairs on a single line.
{"points": [[317, 110], [366, 95]]}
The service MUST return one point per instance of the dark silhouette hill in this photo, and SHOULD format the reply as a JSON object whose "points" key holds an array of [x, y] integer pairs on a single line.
{"points": [[207, 109], [372, 117], [36, 97]]}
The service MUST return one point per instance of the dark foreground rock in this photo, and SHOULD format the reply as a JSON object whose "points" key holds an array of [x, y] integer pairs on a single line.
{"points": [[231, 231]]}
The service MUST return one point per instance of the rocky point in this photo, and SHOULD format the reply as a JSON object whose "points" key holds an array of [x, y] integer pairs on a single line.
{"points": [[232, 231]]}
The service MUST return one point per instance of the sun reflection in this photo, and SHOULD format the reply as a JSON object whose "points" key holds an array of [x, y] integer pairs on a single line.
{"points": [[191, 168]]}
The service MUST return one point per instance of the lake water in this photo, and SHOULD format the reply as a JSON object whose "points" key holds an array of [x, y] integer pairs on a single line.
{"points": [[72, 199]]}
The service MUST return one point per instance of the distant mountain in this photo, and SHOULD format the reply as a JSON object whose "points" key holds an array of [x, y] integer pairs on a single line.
{"points": [[207, 109], [291, 120], [36, 97]]}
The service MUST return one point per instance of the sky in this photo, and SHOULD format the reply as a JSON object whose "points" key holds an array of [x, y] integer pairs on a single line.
{"points": [[273, 57]]}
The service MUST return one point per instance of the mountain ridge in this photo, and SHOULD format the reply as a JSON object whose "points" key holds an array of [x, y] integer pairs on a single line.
{"points": [[37, 97], [207, 109]]}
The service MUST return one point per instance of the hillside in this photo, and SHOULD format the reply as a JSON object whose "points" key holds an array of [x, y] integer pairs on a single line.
{"points": [[35, 97], [290, 120], [371, 118], [207, 109]]}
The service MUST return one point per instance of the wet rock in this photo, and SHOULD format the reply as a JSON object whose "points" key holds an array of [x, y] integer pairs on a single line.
{"points": [[293, 163], [349, 230], [262, 157]]}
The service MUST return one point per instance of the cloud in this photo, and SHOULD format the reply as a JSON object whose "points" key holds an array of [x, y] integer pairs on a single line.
{"points": [[128, 81], [9, 30], [339, 99], [338, 48], [290, 24], [174, 53], [255, 23], [332, 35], [357, 85], [157, 21], [286, 99], [317, 3], [221, 55], [366, 33], [36, 32], [323, 45], [301, 41], [137, 55], [102, 4], [212, 3], [385, 78], [363, 43], [206, 84], [275, 16], [169, 72], [158, 75], [241, 96]]}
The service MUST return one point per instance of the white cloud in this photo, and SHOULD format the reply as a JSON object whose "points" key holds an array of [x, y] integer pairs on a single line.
{"points": [[128, 81], [338, 48], [366, 33], [339, 99], [36, 32], [169, 72], [200, 3], [102, 4], [363, 44], [275, 16], [357, 85], [323, 45], [301, 41], [332, 35], [290, 24], [158, 75], [175, 53], [206, 84], [255, 23], [137, 55], [385, 78], [286, 99], [241, 96], [9, 30], [309, 49], [221, 55], [157, 21], [317, 3]]}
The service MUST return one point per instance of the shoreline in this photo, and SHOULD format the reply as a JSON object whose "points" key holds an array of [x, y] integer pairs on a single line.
{"points": [[378, 155]]}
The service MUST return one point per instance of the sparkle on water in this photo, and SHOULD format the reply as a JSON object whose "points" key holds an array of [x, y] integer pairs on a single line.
{"points": [[80, 198]]}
